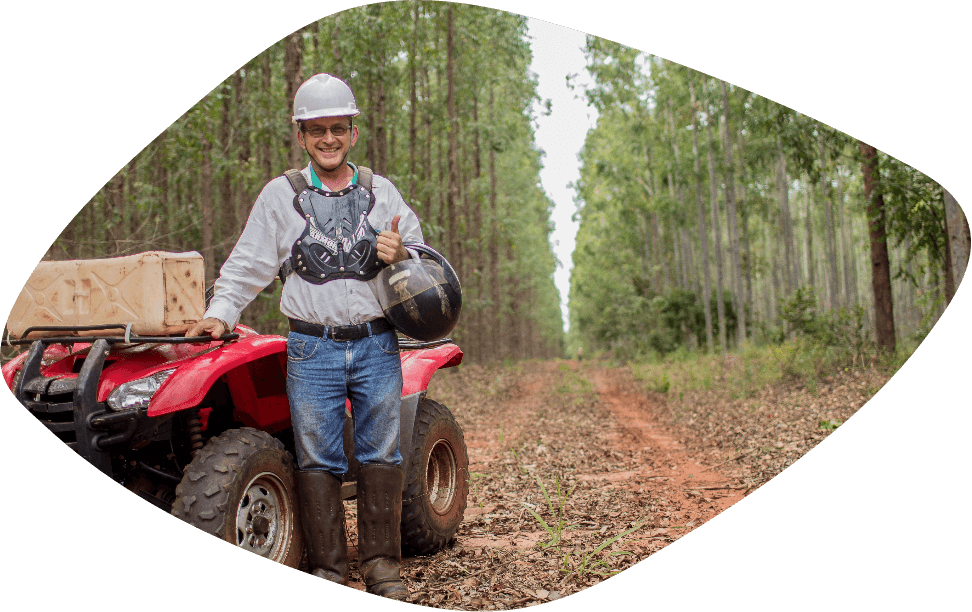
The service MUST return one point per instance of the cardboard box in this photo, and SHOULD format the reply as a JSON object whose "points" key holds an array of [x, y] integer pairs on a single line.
{"points": [[159, 293]]}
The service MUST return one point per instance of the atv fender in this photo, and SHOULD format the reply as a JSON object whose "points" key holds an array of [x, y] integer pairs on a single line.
{"points": [[254, 368], [417, 370]]}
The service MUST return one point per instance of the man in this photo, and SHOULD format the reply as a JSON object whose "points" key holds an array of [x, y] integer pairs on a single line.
{"points": [[327, 240]]}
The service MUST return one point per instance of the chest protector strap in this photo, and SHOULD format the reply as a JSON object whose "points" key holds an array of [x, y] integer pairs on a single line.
{"points": [[337, 241]]}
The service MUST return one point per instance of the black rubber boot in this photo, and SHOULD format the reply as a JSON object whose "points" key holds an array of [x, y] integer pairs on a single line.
{"points": [[322, 518], [379, 530]]}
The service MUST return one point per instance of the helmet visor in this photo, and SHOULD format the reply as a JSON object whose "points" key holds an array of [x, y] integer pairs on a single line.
{"points": [[403, 281]]}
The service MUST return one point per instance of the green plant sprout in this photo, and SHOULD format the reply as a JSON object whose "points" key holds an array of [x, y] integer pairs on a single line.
{"points": [[555, 532], [830, 425], [587, 563]]}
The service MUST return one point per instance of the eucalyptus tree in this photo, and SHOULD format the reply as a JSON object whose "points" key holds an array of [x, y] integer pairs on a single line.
{"points": [[438, 119], [702, 228], [729, 172], [714, 210], [880, 264]]}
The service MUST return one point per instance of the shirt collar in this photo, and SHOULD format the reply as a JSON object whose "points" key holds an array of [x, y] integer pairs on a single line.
{"points": [[316, 182]]}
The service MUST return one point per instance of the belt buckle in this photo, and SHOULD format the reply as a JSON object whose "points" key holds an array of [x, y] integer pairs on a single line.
{"points": [[333, 333]]}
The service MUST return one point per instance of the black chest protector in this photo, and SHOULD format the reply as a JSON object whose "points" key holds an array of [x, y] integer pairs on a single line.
{"points": [[337, 241]]}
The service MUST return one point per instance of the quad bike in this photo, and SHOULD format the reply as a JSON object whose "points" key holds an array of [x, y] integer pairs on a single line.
{"points": [[201, 428]]}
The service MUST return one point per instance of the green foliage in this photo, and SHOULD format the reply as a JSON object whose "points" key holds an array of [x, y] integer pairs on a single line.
{"points": [[573, 562], [834, 337], [582, 563], [579, 389], [799, 311], [914, 216], [637, 272], [221, 153], [555, 530], [830, 424]]}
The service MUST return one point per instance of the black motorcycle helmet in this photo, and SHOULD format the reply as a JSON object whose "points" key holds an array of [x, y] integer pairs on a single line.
{"points": [[421, 298]]}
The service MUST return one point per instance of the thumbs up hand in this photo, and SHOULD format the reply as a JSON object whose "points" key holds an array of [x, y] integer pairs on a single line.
{"points": [[390, 248]]}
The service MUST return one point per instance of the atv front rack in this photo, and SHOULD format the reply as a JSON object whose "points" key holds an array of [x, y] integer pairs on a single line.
{"points": [[127, 338], [404, 342], [69, 407]]}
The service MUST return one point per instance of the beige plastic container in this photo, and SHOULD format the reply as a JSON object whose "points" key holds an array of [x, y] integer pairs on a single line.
{"points": [[159, 293]]}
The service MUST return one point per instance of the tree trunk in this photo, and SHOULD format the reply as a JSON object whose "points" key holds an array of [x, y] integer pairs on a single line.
{"points": [[317, 57], [95, 229], [380, 130], [703, 230], [427, 161], [681, 269], [777, 270], [226, 180], [808, 230], [747, 251], [880, 265], [266, 142], [716, 227], [443, 173], [241, 197], [161, 180], [663, 278], [958, 238], [946, 261], [475, 232], [336, 49], [846, 237], [730, 168], [826, 194], [129, 208], [114, 201], [293, 77], [786, 220], [453, 131], [495, 345], [206, 209], [413, 108]]}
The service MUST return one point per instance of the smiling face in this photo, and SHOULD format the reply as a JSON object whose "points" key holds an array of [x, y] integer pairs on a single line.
{"points": [[328, 152]]}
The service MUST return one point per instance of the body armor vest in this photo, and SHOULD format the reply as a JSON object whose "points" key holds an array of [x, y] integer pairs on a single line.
{"points": [[337, 241]]}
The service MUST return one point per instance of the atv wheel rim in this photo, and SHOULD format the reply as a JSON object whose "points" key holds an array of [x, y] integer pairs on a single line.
{"points": [[440, 477], [263, 517]]}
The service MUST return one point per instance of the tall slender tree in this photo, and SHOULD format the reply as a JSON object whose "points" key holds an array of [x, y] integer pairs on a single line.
{"points": [[730, 180], [703, 229], [880, 264]]}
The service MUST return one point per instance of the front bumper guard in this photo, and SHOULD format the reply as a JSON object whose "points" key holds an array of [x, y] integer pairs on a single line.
{"points": [[95, 429]]}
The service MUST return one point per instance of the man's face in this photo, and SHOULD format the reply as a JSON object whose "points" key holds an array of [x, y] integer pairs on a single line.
{"points": [[327, 151]]}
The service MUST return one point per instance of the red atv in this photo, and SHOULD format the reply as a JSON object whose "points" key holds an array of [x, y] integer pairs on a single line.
{"points": [[201, 429]]}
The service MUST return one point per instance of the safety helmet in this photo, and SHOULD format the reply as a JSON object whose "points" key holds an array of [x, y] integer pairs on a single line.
{"points": [[421, 298], [324, 95]]}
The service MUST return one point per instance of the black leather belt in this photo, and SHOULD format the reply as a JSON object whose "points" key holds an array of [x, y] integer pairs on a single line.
{"points": [[341, 332]]}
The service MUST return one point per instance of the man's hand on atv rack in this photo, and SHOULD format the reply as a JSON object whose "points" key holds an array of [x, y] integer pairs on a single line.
{"points": [[211, 326]]}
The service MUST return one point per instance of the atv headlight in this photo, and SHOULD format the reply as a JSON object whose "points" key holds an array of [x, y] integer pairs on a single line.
{"points": [[136, 394]]}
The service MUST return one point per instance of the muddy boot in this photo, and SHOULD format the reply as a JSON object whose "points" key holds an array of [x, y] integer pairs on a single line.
{"points": [[379, 530], [322, 518]]}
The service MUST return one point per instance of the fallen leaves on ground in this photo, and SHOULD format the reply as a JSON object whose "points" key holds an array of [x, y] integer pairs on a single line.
{"points": [[614, 472]]}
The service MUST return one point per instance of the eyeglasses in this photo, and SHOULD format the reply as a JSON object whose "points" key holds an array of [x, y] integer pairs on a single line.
{"points": [[318, 132]]}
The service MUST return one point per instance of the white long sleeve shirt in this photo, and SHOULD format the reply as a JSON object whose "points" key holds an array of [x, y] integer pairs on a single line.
{"points": [[271, 230]]}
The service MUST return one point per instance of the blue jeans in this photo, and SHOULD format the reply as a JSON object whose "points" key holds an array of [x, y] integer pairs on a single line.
{"points": [[321, 374]]}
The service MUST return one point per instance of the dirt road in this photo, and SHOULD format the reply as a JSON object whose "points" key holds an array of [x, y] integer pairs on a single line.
{"points": [[582, 448], [575, 474]]}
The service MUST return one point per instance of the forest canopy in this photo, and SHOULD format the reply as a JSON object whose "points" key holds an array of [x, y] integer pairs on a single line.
{"points": [[709, 216]]}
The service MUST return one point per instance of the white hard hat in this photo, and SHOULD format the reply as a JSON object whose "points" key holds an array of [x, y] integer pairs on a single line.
{"points": [[324, 95]]}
